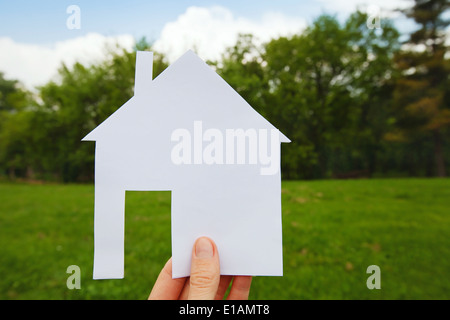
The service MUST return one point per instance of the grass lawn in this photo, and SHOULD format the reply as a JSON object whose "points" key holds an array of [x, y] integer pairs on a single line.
{"points": [[332, 231]]}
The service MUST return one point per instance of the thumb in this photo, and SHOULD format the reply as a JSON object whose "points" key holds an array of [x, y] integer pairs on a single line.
{"points": [[205, 270]]}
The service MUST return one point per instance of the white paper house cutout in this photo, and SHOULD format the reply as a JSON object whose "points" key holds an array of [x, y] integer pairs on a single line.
{"points": [[234, 204]]}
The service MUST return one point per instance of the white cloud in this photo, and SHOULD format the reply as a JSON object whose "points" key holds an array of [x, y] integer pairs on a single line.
{"points": [[207, 30], [210, 30], [34, 65]]}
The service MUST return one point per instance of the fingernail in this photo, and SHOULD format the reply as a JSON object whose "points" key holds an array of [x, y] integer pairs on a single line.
{"points": [[204, 248]]}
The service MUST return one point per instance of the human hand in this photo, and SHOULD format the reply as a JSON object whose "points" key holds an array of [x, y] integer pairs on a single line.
{"points": [[205, 282]]}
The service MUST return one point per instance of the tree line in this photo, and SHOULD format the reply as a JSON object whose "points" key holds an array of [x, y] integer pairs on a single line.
{"points": [[355, 101]]}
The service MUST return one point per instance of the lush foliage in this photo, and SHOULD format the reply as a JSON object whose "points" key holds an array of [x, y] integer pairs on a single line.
{"points": [[422, 95], [353, 100]]}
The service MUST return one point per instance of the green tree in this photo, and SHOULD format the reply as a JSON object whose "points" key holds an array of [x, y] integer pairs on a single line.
{"points": [[241, 66], [422, 94], [15, 112], [326, 84]]}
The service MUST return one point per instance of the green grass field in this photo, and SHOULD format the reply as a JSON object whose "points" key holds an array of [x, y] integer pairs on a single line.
{"points": [[332, 231]]}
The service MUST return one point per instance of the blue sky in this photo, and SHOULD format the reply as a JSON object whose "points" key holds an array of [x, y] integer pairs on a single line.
{"points": [[35, 41], [43, 21]]}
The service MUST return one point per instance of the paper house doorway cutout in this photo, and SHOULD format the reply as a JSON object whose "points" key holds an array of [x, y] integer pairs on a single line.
{"points": [[187, 131]]}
